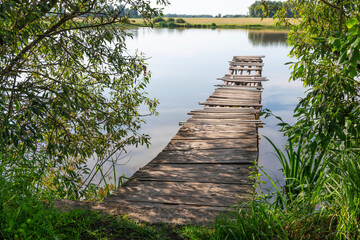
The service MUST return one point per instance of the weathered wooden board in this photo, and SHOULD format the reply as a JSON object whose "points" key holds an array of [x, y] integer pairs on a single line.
{"points": [[226, 92], [175, 188], [238, 97], [220, 118], [249, 58], [224, 116], [242, 80], [238, 86], [246, 68], [233, 100], [184, 145], [245, 76], [230, 103], [204, 135], [206, 156], [185, 198], [160, 213], [226, 110], [187, 193], [232, 63], [205, 174], [239, 90]]}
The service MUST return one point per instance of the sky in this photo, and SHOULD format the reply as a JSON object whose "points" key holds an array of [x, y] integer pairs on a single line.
{"points": [[212, 7]]}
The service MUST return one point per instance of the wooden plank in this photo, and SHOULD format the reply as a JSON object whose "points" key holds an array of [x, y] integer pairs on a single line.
{"points": [[187, 134], [226, 110], [160, 213], [246, 76], [246, 68], [232, 100], [237, 94], [188, 169], [245, 80], [247, 57], [223, 115], [217, 123], [222, 121], [201, 177], [249, 144], [190, 187], [212, 173], [238, 86], [241, 95], [235, 98], [182, 196], [206, 156], [238, 63], [233, 103], [239, 90], [242, 127], [220, 125]]}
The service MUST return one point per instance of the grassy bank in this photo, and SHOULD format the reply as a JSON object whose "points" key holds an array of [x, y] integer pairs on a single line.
{"points": [[223, 23]]}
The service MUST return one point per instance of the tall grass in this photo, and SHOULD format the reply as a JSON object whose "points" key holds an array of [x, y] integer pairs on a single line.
{"points": [[319, 200]]}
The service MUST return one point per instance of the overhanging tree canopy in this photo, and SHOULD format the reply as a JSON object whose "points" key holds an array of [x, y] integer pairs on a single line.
{"points": [[69, 90], [326, 42]]}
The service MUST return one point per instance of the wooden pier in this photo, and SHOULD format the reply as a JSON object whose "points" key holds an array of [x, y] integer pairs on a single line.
{"points": [[205, 168]]}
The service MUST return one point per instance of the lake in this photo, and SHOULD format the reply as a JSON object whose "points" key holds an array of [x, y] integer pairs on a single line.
{"points": [[185, 64]]}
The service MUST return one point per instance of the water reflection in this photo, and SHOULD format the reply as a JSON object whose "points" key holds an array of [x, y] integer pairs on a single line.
{"points": [[268, 38]]}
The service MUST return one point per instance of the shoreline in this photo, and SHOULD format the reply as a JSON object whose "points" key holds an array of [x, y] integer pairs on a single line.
{"points": [[213, 23]]}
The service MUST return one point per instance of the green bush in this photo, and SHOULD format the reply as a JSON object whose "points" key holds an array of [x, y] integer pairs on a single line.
{"points": [[170, 20], [163, 24], [188, 25], [158, 19], [180, 20], [171, 25]]}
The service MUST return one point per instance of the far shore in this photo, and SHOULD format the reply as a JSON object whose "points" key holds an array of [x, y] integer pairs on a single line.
{"points": [[250, 23]]}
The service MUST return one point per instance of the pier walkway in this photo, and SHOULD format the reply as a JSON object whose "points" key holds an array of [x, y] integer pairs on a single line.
{"points": [[205, 167]]}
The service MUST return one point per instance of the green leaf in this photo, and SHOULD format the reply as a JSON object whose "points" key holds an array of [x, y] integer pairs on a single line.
{"points": [[351, 23]]}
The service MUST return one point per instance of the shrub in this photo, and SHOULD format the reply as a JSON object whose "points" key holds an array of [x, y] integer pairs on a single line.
{"points": [[180, 20], [188, 25], [163, 24], [158, 19], [170, 20], [171, 25]]}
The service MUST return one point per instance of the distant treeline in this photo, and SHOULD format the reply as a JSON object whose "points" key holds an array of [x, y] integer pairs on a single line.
{"points": [[268, 9], [257, 9], [173, 15]]}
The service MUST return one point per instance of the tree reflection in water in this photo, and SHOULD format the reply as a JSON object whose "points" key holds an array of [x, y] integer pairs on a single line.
{"points": [[267, 38]]}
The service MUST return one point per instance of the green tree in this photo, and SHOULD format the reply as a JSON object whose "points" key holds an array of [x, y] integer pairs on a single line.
{"points": [[269, 9], [69, 90], [326, 42]]}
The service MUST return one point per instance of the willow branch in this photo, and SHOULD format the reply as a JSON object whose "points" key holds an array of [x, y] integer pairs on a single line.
{"points": [[331, 5]]}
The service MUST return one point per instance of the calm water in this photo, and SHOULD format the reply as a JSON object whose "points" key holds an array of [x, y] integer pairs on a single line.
{"points": [[185, 65]]}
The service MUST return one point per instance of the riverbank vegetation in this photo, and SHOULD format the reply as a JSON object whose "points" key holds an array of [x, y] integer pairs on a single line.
{"points": [[222, 23], [321, 162]]}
